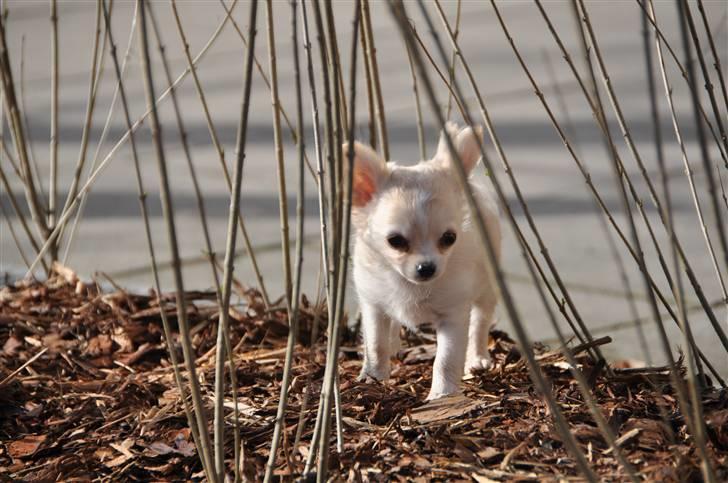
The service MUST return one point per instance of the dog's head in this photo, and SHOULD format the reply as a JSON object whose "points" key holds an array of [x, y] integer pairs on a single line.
{"points": [[413, 215]]}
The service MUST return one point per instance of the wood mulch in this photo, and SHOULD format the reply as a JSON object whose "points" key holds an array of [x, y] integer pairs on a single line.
{"points": [[95, 399]]}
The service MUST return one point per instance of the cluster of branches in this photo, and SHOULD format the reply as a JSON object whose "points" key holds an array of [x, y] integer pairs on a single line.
{"points": [[333, 112]]}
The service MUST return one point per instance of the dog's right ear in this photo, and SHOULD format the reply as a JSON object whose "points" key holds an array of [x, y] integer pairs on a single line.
{"points": [[370, 171]]}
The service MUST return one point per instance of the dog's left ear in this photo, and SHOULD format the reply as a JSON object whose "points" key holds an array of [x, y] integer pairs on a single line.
{"points": [[466, 143], [370, 171]]}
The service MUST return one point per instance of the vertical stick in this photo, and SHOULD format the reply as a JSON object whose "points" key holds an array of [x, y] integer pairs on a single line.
{"points": [[371, 59], [418, 107], [333, 353], [687, 17], [230, 245], [66, 213], [598, 198], [372, 121], [21, 217], [26, 124], [693, 384], [209, 252], [453, 59], [53, 181], [168, 211], [218, 147], [716, 57], [282, 192], [78, 218], [599, 112], [326, 191], [86, 133], [168, 336], [12, 111], [707, 473], [293, 315]]}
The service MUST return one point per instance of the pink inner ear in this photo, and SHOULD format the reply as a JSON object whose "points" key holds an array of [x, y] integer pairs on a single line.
{"points": [[363, 188]]}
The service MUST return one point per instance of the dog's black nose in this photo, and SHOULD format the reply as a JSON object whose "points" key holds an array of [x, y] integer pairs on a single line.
{"points": [[426, 270]]}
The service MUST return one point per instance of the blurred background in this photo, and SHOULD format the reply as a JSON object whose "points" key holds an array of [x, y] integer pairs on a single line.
{"points": [[110, 236]]}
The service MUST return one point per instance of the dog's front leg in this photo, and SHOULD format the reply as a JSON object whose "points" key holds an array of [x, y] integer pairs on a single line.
{"points": [[452, 339], [375, 326], [481, 319]]}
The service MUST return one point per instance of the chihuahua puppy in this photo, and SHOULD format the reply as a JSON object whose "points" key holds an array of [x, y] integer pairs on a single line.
{"points": [[418, 259]]}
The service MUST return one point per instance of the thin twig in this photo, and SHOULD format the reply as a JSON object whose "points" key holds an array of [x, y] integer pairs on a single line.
{"points": [[581, 380], [332, 357], [231, 242], [716, 57], [168, 212], [14, 236], [653, 192], [209, 252], [641, 261], [697, 428], [372, 116], [169, 339], [596, 109], [370, 54], [418, 107], [264, 77], [688, 81], [293, 315], [55, 66], [326, 211], [278, 141], [66, 214], [220, 151], [702, 141], [12, 112], [86, 132], [17, 371], [94, 163], [24, 114], [453, 58], [21, 217]]}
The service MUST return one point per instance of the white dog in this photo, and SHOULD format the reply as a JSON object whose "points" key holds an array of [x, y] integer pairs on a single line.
{"points": [[418, 259]]}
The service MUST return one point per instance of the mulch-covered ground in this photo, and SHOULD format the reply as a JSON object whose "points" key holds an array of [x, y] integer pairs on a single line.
{"points": [[98, 401]]}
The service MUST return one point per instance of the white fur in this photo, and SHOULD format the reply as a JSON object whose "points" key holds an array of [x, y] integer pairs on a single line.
{"points": [[421, 202]]}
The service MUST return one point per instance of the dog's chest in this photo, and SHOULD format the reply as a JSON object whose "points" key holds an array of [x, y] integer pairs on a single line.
{"points": [[415, 309]]}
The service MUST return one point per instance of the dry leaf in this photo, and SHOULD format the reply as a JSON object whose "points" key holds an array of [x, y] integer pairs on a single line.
{"points": [[26, 446]]}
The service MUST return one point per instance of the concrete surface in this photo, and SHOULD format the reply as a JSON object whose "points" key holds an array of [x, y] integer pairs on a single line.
{"points": [[111, 239]]}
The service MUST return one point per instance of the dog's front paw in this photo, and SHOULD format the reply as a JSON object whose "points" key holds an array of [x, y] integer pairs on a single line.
{"points": [[442, 387], [437, 393], [478, 364], [371, 374]]}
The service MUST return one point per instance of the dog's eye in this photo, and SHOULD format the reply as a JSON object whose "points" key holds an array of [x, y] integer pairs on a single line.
{"points": [[398, 242], [448, 239]]}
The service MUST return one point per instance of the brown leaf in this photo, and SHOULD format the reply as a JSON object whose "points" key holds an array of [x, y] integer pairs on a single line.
{"points": [[158, 448], [445, 408], [26, 446], [10, 348], [99, 345]]}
